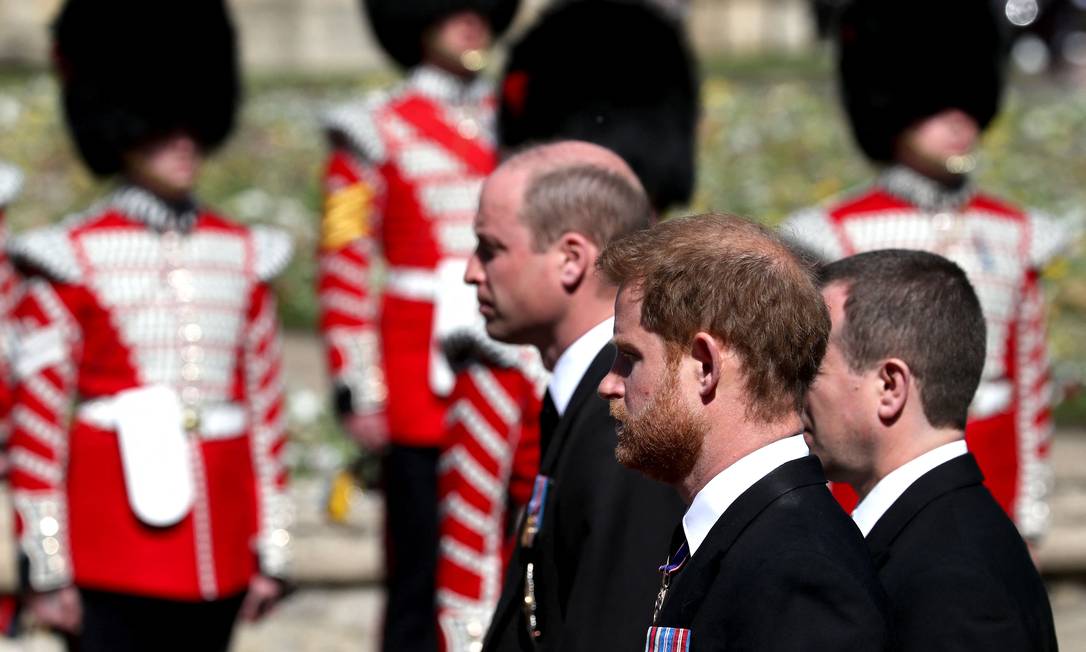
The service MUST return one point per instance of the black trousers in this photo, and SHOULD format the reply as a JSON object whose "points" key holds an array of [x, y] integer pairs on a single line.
{"points": [[118, 622], [411, 533]]}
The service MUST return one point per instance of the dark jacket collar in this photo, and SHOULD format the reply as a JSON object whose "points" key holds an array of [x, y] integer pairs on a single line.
{"points": [[924, 193], [962, 471], [586, 391], [696, 578]]}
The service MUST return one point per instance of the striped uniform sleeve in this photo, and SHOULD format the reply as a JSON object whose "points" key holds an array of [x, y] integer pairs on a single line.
{"points": [[493, 410], [1033, 378], [9, 295], [44, 370], [1033, 393], [263, 364], [353, 198]]}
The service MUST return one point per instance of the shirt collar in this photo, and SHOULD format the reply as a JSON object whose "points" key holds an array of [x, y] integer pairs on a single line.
{"points": [[718, 495], [908, 184], [144, 206], [575, 361], [886, 492], [446, 87]]}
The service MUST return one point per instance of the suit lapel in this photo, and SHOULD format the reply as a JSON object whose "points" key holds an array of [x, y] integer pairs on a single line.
{"points": [[693, 582], [586, 391], [954, 474]]}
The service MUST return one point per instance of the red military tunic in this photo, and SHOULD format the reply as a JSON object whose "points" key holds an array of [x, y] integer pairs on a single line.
{"points": [[161, 328], [1002, 250], [10, 181], [485, 476], [402, 184]]}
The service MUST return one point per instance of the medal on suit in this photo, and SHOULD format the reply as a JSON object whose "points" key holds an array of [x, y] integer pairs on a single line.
{"points": [[533, 522], [673, 565]]}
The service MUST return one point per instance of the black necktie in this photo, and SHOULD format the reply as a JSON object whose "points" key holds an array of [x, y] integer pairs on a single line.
{"points": [[548, 421]]}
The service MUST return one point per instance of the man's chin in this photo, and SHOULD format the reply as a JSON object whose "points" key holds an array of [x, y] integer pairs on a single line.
{"points": [[629, 458]]}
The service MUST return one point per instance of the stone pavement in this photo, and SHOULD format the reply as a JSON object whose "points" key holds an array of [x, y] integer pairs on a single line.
{"points": [[337, 607]]}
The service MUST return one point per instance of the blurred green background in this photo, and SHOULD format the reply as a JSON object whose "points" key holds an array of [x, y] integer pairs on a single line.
{"points": [[772, 141]]}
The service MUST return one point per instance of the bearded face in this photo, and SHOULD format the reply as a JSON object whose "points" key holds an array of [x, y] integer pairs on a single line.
{"points": [[664, 439]]}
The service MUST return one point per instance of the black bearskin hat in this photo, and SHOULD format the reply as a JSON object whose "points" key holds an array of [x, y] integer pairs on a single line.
{"points": [[616, 73], [901, 61], [400, 24], [132, 70]]}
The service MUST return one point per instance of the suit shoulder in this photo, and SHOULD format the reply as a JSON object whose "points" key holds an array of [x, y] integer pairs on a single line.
{"points": [[967, 529]]}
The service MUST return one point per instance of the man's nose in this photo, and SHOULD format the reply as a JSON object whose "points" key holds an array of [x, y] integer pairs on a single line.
{"points": [[611, 387], [473, 273]]}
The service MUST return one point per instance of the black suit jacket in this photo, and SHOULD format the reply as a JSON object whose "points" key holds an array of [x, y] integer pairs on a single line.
{"points": [[957, 574], [605, 531], [784, 568]]}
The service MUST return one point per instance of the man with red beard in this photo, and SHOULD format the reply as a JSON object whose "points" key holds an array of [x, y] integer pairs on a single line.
{"points": [[592, 529], [719, 331]]}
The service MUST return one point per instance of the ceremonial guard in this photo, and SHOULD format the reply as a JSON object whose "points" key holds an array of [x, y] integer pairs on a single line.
{"points": [[558, 83], [10, 182], [158, 509], [917, 113], [401, 186]]}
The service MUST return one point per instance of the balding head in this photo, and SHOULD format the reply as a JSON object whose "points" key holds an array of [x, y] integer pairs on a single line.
{"points": [[570, 153], [543, 217], [575, 186]]}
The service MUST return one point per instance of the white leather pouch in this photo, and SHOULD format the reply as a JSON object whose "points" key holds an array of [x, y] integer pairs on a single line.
{"points": [[155, 454], [455, 309]]}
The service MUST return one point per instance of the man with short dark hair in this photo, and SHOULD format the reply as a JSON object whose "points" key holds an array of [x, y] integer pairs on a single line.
{"points": [[887, 415], [918, 113], [592, 529], [719, 331]]}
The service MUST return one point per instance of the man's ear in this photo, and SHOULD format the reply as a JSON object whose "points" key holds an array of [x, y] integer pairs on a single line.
{"points": [[894, 378], [577, 258], [709, 353]]}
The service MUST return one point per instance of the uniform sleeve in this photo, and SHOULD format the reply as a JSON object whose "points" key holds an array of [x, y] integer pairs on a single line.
{"points": [[44, 371], [1033, 394], [353, 199], [9, 296], [492, 410], [263, 365]]}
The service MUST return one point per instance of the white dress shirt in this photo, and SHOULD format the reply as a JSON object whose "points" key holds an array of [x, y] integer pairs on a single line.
{"points": [[719, 494], [886, 492], [574, 362]]}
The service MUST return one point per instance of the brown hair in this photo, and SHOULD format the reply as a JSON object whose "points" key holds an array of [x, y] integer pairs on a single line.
{"points": [[921, 308], [585, 198], [738, 282]]}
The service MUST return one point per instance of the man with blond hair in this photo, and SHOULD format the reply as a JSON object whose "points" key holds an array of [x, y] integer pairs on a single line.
{"points": [[592, 529], [719, 331]]}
